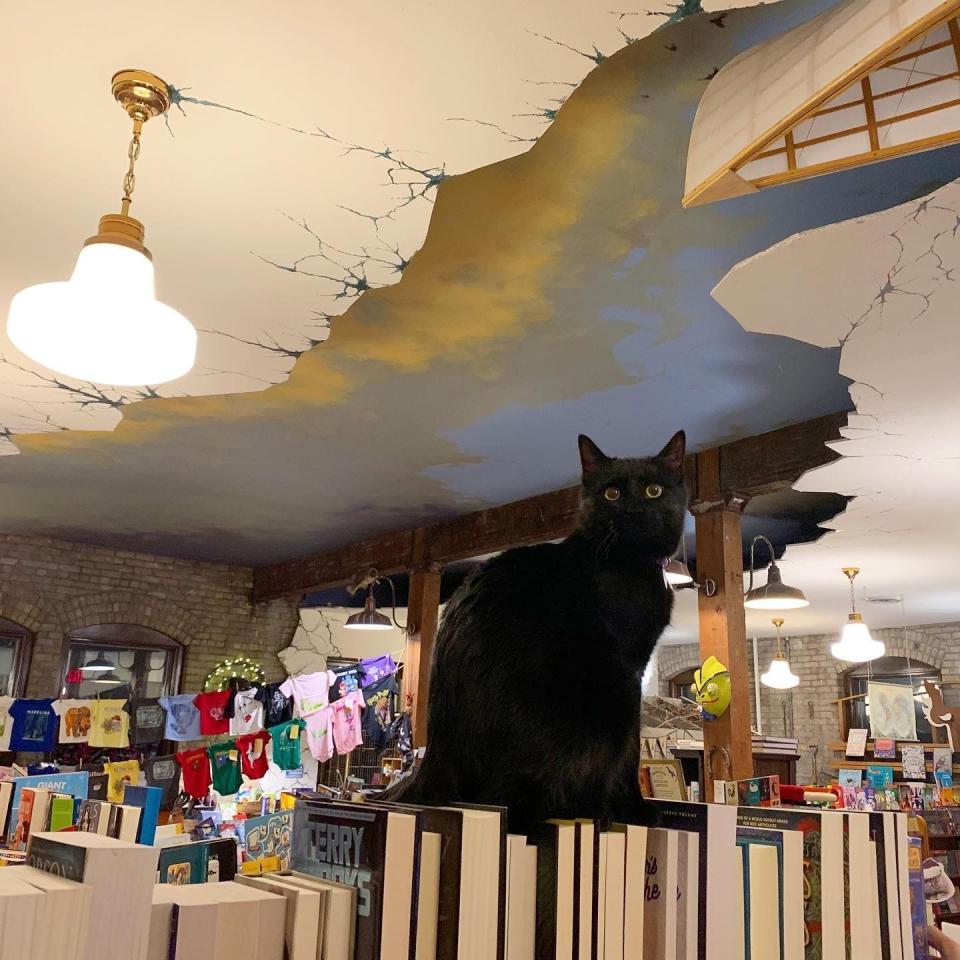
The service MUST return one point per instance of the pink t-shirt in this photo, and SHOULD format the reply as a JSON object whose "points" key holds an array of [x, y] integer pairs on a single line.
{"points": [[319, 734], [347, 732], [310, 691]]}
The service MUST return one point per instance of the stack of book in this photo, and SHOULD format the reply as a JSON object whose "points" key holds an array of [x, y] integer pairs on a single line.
{"points": [[786, 746]]}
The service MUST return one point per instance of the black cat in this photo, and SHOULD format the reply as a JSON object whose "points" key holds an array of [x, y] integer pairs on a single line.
{"points": [[535, 681]]}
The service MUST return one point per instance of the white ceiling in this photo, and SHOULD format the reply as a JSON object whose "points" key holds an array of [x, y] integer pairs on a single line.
{"points": [[885, 287]]}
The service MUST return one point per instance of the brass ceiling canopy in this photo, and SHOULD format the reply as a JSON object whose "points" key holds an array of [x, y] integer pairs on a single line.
{"points": [[141, 93]]}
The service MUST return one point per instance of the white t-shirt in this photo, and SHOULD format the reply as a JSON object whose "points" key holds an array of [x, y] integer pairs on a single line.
{"points": [[75, 720], [247, 712], [310, 691], [6, 722]]}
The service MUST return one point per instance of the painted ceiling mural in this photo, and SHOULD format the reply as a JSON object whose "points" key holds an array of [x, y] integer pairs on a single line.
{"points": [[885, 287], [425, 246]]}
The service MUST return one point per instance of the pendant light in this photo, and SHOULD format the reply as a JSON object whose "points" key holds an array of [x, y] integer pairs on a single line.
{"points": [[99, 664], [370, 618], [104, 325], [774, 594], [110, 678], [855, 643], [779, 675]]}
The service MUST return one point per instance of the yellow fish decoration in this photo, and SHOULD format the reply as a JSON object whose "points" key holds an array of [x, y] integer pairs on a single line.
{"points": [[711, 686]]}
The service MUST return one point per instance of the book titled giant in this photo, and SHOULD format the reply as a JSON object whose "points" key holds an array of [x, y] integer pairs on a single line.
{"points": [[376, 850]]}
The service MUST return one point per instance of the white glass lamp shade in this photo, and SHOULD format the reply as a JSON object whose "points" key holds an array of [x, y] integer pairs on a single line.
{"points": [[779, 675], [855, 644], [104, 324]]}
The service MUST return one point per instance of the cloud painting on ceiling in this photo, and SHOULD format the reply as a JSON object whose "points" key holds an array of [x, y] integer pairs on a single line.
{"points": [[884, 288], [559, 288]]}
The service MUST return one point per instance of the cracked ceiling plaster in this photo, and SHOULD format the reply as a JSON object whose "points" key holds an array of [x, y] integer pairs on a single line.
{"points": [[559, 290], [885, 287]]}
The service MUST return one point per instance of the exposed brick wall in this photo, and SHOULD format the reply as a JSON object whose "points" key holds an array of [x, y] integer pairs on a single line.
{"points": [[810, 714], [52, 587]]}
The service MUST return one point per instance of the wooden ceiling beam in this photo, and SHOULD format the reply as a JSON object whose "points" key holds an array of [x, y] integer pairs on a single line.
{"points": [[749, 467]]}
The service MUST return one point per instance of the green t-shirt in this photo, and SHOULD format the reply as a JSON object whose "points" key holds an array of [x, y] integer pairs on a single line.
{"points": [[286, 741], [225, 765]]}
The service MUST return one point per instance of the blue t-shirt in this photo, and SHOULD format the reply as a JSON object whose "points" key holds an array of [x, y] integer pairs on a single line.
{"points": [[35, 726], [183, 717]]}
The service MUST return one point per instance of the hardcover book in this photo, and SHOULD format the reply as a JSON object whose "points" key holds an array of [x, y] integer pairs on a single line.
{"points": [[183, 864], [823, 907], [376, 850], [717, 825]]}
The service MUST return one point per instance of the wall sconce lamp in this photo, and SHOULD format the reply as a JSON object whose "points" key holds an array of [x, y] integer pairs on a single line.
{"points": [[774, 594], [677, 573], [370, 617]]}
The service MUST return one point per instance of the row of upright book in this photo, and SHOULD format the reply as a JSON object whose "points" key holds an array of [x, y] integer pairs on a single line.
{"points": [[712, 882], [380, 881]]}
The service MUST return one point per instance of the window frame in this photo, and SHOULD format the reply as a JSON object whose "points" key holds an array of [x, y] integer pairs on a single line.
{"points": [[679, 680], [22, 655], [161, 641]]}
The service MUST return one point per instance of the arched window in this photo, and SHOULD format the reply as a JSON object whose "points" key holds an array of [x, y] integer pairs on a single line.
{"points": [[681, 685], [14, 658], [122, 659], [896, 670]]}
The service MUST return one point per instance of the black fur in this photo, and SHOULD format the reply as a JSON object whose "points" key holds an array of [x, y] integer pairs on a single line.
{"points": [[535, 681]]}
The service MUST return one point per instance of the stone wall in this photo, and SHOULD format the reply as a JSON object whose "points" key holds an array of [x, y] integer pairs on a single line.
{"points": [[52, 587], [807, 712]]}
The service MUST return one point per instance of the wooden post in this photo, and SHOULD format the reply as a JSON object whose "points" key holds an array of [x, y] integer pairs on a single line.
{"points": [[423, 612], [728, 745]]}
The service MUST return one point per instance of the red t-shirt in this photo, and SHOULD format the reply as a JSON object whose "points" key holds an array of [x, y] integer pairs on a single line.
{"points": [[195, 765], [253, 754], [213, 717]]}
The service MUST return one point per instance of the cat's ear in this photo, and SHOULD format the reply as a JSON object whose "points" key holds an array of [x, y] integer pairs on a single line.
{"points": [[674, 452], [591, 456]]}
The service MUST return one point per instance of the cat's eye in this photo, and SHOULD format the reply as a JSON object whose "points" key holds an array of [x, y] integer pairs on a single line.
{"points": [[653, 491], [612, 493]]}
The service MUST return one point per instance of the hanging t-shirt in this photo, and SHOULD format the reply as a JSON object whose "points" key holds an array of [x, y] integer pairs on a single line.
{"points": [[75, 719], [277, 706], [253, 754], [287, 744], [225, 764], [347, 679], [183, 718], [347, 732], [319, 734], [148, 720], [376, 669], [247, 712], [109, 724], [163, 772], [212, 707], [195, 767], [381, 708], [310, 691], [6, 723], [119, 776], [34, 726]]}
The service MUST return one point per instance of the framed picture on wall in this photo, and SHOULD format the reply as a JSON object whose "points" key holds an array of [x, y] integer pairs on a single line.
{"points": [[665, 779]]}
